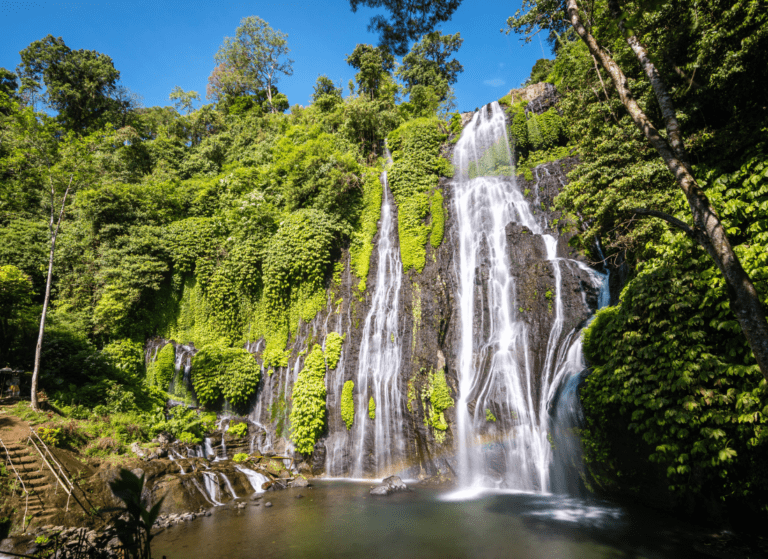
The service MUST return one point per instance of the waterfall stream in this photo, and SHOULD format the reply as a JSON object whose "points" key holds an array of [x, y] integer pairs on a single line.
{"points": [[505, 391], [378, 443]]}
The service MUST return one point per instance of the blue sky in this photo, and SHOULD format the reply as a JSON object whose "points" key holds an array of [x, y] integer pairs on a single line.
{"points": [[157, 45]]}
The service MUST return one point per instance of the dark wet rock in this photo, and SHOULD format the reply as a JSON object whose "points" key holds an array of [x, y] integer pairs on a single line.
{"points": [[299, 496]]}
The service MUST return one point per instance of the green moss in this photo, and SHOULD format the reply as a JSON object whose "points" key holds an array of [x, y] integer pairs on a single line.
{"points": [[414, 175], [348, 404], [489, 415], [435, 399], [361, 245], [224, 371], [372, 408], [163, 368], [438, 219], [279, 414], [308, 410], [333, 343]]}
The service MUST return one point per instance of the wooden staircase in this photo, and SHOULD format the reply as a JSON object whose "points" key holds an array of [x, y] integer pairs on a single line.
{"points": [[35, 479]]}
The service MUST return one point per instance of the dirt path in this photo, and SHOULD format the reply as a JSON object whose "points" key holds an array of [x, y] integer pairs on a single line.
{"points": [[12, 428]]}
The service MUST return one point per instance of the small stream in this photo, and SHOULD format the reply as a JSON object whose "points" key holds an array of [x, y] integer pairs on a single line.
{"points": [[340, 519]]}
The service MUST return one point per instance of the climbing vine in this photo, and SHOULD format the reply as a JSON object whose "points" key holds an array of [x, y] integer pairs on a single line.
{"points": [[414, 175], [348, 404], [308, 409], [333, 343], [163, 368], [224, 371]]}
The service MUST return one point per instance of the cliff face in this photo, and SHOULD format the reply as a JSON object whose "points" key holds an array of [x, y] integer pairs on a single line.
{"points": [[405, 411]]}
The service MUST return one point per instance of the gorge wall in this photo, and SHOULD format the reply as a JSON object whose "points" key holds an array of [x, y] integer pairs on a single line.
{"points": [[463, 370]]}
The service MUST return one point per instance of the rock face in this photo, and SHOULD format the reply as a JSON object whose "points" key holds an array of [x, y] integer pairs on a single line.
{"points": [[427, 330], [389, 485], [544, 101]]}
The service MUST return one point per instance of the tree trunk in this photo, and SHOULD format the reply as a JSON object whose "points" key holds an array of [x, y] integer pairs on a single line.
{"points": [[708, 230], [39, 347]]}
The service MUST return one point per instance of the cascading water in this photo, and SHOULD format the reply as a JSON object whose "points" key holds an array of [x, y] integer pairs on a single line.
{"points": [[505, 390], [254, 478], [378, 443]]}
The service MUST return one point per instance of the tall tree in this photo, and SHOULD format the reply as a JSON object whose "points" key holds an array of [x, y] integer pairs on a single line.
{"points": [[429, 63], [255, 58], [64, 164], [78, 84], [374, 65], [409, 20], [707, 229], [183, 100]]}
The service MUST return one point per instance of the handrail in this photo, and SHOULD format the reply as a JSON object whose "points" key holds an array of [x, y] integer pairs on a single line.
{"points": [[68, 491], [54, 460], [24, 487]]}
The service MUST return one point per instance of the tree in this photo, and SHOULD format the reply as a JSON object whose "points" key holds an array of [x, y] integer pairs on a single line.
{"points": [[79, 84], [254, 59], [540, 70], [8, 82], [326, 96], [428, 63], [183, 100], [409, 20], [707, 229], [63, 164], [374, 65]]}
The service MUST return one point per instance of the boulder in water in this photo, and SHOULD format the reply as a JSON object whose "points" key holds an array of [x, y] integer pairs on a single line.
{"points": [[391, 484], [300, 481]]}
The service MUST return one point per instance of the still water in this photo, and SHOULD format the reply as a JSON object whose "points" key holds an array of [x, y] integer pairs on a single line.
{"points": [[340, 519]]}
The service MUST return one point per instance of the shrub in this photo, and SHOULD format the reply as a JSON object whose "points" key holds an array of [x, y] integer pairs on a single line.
{"points": [[189, 438], [50, 435], [372, 408], [238, 429], [240, 456]]}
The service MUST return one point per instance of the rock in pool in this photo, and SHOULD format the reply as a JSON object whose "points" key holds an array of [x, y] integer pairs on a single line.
{"points": [[391, 484]]}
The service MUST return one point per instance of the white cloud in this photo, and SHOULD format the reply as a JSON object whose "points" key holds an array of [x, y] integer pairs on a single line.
{"points": [[496, 82]]}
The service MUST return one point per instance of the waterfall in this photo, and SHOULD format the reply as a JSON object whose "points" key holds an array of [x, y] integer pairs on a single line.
{"points": [[254, 478], [208, 449], [211, 481], [505, 388], [229, 485], [378, 444]]}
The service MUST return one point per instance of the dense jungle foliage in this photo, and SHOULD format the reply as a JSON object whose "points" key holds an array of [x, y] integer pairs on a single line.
{"points": [[209, 226], [671, 366]]}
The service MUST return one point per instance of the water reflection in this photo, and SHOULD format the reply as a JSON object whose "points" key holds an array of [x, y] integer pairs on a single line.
{"points": [[337, 519]]}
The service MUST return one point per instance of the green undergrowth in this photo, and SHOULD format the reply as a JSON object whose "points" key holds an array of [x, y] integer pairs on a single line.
{"points": [[308, 407], [348, 404], [413, 178], [372, 408], [526, 163], [672, 368]]}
